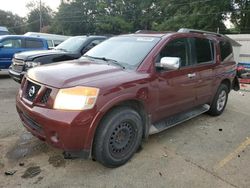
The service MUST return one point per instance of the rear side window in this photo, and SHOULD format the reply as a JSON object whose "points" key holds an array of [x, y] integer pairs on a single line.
{"points": [[226, 50], [34, 43], [204, 50]]}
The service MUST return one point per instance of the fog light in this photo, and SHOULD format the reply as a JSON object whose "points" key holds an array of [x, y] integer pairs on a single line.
{"points": [[54, 138]]}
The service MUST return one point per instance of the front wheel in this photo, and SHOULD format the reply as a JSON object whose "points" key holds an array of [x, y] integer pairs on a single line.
{"points": [[220, 101], [118, 137]]}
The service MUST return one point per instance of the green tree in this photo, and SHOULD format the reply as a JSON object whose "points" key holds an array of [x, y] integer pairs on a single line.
{"points": [[34, 16], [241, 15], [15, 23], [206, 15]]}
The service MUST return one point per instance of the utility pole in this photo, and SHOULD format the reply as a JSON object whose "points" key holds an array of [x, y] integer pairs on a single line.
{"points": [[40, 10]]}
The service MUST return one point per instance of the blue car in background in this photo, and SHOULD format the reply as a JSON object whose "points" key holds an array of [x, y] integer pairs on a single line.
{"points": [[4, 31], [11, 44]]}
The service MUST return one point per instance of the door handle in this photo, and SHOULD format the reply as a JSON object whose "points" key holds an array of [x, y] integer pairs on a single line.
{"points": [[191, 75]]}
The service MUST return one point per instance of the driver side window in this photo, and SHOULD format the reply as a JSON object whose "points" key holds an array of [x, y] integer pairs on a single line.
{"points": [[12, 43], [176, 48]]}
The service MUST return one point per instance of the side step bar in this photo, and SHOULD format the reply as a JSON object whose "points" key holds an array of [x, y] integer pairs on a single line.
{"points": [[177, 119]]}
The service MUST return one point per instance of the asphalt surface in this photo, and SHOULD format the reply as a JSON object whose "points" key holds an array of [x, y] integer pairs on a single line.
{"points": [[203, 152]]}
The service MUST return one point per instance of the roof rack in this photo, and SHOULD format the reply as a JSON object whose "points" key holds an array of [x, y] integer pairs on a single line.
{"points": [[185, 30]]}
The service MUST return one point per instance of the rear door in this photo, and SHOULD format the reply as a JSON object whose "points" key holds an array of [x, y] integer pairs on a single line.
{"points": [[205, 58], [10, 47], [176, 87]]}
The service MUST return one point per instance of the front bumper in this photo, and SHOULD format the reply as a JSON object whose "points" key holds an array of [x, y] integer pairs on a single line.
{"points": [[16, 75], [66, 130]]}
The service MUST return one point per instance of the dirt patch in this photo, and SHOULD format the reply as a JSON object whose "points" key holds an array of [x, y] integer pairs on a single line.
{"points": [[26, 146], [38, 180], [57, 161], [32, 172]]}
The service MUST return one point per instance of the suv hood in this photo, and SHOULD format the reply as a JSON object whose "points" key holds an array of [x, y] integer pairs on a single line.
{"points": [[30, 55], [73, 73]]}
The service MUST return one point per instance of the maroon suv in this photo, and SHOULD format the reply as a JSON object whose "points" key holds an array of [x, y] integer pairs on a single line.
{"points": [[128, 87]]}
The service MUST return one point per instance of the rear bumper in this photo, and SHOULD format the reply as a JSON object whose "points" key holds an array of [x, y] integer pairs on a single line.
{"points": [[66, 130], [16, 76]]}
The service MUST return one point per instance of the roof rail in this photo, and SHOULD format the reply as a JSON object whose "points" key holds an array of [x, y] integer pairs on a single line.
{"points": [[152, 32], [185, 30], [146, 31]]}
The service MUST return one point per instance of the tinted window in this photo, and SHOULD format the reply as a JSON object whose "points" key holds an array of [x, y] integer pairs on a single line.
{"points": [[73, 44], [12, 43], [57, 42], [226, 49], [176, 48], [33, 43], [204, 52], [50, 43], [91, 45], [129, 51]]}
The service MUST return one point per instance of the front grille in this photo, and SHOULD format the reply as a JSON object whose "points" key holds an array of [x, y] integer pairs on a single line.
{"points": [[17, 68], [18, 62], [31, 90], [46, 95], [18, 65]]}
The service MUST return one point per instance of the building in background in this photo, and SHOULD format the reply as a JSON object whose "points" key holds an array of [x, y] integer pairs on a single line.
{"points": [[244, 40], [243, 70]]}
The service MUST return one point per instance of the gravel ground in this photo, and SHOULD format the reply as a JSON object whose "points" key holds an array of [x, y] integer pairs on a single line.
{"points": [[203, 152]]}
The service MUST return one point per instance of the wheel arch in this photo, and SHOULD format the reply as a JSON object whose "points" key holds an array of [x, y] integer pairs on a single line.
{"points": [[135, 104], [227, 82]]}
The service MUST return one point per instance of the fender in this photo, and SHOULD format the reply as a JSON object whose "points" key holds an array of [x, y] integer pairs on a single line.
{"points": [[101, 113]]}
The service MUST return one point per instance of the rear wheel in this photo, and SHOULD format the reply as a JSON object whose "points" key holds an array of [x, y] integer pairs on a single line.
{"points": [[220, 101], [118, 137]]}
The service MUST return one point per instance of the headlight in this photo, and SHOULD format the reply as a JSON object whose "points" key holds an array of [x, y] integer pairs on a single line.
{"points": [[76, 98], [30, 64]]}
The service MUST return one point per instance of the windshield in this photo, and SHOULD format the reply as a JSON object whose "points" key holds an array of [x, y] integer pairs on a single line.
{"points": [[72, 44], [129, 51]]}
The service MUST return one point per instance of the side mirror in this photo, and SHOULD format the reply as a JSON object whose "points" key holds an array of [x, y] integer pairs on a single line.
{"points": [[172, 63], [1, 45]]}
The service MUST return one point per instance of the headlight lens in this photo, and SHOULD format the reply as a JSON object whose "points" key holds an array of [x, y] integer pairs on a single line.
{"points": [[30, 64], [76, 98]]}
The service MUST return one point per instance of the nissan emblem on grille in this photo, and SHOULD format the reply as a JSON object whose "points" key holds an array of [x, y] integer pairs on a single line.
{"points": [[32, 91]]}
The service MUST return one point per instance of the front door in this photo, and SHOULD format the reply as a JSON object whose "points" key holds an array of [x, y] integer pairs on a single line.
{"points": [[176, 88], [10, 47]]}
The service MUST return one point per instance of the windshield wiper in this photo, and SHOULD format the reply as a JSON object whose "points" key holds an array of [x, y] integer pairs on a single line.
{"points": [[106, 60]]}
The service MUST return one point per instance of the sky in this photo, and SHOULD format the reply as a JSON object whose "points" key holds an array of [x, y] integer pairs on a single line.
{"points": [[19, 6]]}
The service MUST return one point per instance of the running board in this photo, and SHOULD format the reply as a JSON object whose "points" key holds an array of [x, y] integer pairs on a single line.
{"points": [[177, 119]]}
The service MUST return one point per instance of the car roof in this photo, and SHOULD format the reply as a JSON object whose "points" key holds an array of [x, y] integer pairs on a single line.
{"points": [[90, 36], [182, 32], [21, 36], [155, 34]]}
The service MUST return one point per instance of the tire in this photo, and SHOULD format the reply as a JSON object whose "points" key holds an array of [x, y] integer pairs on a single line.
{"points": [[220, 101], [118, 137]]}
